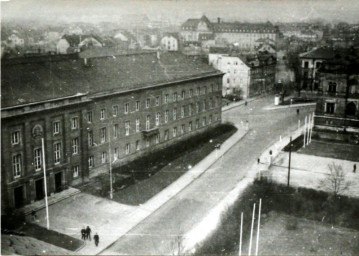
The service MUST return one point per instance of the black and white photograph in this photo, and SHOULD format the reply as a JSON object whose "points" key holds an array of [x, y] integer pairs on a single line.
{"points": [[180, 127]]}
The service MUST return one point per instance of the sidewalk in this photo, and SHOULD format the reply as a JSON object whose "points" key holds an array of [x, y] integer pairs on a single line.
{"points": [[309, 171], [111, 220], [242, 102]]}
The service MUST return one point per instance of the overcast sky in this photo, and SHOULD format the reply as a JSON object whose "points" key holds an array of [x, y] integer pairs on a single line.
{"points": [[180, 10]]}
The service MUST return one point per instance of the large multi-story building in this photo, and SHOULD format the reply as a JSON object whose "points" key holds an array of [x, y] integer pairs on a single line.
{"points": [[245, 75], [337, 110], [94, 109], [244, 35]]}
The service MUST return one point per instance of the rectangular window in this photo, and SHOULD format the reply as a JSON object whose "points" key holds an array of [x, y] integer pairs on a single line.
{"points": [[157, 100], [190, 109], [148, 102], [137, 145], [138, 105], [91, 162], [204, 106], [183, 129], [306, 64], [15, 137], [102, 114], [204, 121], [175, 97], [16, 165], [198, 91], [103, 157], [90, 138], [157, 118], [197, 123], [75, 123], [127, 107], [183, 94], [57, 152], [56, 127], [205, 90], [197, 107], [127, 148], [116, 154], [127, 128], [75, 171], [115, 110], [166, 99], [190, 126], [166, 116], [147, 142], [166, 134], [210, 103], [89, 116], [329, 107], [332, 87], [157, 138], [75, 146], [137, 125], [37, 159], [210, 119], [191, 93], [211, 88], [174, 113], [182, 112], [174, 132], [115, 131], [148, 122], [103, 134]]}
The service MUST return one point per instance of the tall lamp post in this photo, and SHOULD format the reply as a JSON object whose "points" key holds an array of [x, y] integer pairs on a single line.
{"points": [[109, 151], [290, 154]]}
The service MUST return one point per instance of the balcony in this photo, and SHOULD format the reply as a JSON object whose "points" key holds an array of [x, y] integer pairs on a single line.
{"points": [[150, 133]]}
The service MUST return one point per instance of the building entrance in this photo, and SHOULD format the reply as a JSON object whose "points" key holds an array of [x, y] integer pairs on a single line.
{"points": [[19, 196], [58, 182], [39, 186]]}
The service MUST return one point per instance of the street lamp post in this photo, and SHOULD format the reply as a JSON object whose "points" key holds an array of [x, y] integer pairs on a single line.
{"points": [[290, 154], [109, 151]]}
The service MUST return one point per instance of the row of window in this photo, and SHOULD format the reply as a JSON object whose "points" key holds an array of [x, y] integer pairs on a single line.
{"points": [[116, 128], [166, 136]]}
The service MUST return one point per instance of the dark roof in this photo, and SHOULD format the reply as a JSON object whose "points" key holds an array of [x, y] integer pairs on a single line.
{"points": [[193, 23], [75, 40], [25, 83], [322, 53]]}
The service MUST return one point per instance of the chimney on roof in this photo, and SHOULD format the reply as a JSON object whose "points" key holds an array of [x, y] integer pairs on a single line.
{"points": [[218, 20]]}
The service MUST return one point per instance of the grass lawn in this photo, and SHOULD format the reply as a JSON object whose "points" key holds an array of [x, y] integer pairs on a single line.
{"points": [[332, 149], [24, 245], [287, 235], [51, 237], [140, 180]]}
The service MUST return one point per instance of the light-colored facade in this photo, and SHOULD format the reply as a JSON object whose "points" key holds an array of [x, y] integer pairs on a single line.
{"points": [[169, 43]]}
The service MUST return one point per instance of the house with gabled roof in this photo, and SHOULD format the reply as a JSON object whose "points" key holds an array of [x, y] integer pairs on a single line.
{"points": [[76, 43]]}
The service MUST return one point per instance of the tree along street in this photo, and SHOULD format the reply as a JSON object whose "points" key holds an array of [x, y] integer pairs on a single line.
{"points": [[161, 232]]}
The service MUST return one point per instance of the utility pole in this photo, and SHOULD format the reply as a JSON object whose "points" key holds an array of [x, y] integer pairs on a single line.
{"points": [[109, 151], [45, 183], [290, 154], [240, 236], [259, 224], [250, 239]]}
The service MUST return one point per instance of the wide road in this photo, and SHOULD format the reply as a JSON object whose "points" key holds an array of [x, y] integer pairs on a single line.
{"points": [[159, 233]]}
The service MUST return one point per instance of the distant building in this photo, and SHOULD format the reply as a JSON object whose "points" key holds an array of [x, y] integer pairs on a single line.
{"points": [[245, 75], [76, 43], [169, 42], [337, 109], [311, 62], [94, 108], [14, 40], [243, 35]]}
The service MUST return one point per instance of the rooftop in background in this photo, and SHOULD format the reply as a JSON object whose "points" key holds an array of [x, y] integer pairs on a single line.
{"points": [[322, 53], [30, 81]]}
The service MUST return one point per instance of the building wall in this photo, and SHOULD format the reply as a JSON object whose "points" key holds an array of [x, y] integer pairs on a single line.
{"points": [[32, 127], [244, 40], [62, 46], [309, 71], [35, 122], [169, 43]]}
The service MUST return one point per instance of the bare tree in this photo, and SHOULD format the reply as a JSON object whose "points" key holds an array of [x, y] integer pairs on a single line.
{"points": [[335, 181]]}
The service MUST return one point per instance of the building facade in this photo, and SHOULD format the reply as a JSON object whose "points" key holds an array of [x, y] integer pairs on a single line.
{"points": [[169, 42], [337, 109], [95, 111], [244, 35]]}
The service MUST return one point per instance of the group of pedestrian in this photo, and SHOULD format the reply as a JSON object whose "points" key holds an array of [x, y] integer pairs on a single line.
{"points": [[86, 234]]}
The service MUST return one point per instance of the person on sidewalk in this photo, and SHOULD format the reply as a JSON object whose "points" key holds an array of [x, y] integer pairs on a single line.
{"points": [[354, 168], [297, 111], [96, 238], [258, 161], [88, 233], [83, 234]]}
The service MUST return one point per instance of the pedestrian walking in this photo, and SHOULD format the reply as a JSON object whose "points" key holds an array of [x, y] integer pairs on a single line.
{"points": [[297, 111], [258, 160], [245, 103], [354, 168], [88, 233], [83, 234], [96, 238]]}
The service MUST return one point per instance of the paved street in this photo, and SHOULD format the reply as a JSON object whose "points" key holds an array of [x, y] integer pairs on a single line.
{"points": [[160, 232]]}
